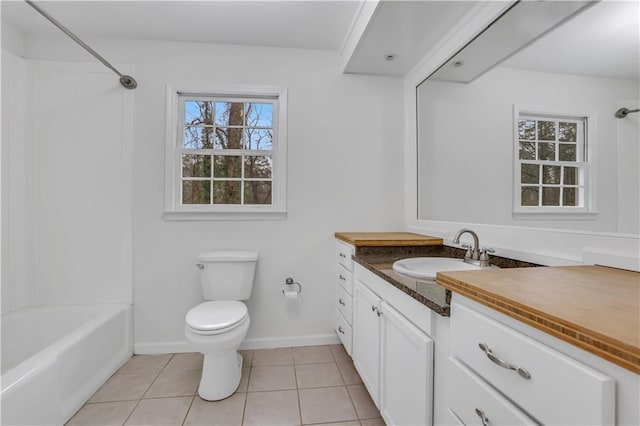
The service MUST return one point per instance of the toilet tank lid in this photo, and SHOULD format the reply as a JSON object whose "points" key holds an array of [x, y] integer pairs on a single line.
{"points": [[228, 255]]}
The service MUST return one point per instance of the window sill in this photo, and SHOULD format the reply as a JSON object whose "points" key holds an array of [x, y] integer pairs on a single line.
{"points": [[555, 215], [219, 216]]}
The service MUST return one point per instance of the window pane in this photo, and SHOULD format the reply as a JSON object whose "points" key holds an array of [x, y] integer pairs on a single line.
{"points": [[198, 137], [227, 166], [229, 113], [570, 175], [196, 166], [570, 197], [198, 112], [546, 130], [226, 192], [527, 151], [551, 174], [196, 192], [567, 132], [257, 166], [546, 151], [530, 173], [529, 196], [550, 196], [259, 114], [257, 192], [229, 138], [567, 152], [258, 139], [527, 129]]}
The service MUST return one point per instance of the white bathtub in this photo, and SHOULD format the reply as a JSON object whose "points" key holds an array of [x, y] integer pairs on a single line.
{"points": [[55, 357]]}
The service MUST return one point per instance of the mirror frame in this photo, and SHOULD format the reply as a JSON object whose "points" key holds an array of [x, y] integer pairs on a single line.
{"points": [[551, 247]]}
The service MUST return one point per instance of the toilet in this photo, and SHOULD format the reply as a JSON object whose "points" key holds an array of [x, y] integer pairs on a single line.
{"points": [[217, 326]]}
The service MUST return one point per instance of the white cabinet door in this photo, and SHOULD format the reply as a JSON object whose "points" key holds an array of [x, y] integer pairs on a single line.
{"points": [[406, 381], [366, 338]]}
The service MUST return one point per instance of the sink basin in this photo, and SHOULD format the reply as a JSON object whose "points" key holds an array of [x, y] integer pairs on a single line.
{"points": [[427, 267]]}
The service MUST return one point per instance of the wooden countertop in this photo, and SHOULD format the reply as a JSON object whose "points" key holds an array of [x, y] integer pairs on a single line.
{"points": [[593, 307], [389, 239]]}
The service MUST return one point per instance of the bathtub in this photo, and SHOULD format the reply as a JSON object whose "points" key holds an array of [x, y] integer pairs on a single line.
{"points": [[55, 357]]}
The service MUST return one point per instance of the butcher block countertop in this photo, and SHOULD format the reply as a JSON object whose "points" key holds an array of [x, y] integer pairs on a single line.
{"points": [[593, 307], [387, 239]]}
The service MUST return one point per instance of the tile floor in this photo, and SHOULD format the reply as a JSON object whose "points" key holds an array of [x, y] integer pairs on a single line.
{"points": [[286, 386]]}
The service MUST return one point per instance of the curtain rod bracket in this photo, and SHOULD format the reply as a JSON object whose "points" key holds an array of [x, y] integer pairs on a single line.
{"points": [[623, 112]]}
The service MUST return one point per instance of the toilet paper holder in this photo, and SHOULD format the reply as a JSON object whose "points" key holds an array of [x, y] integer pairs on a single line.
{"points": [[290, 282]]}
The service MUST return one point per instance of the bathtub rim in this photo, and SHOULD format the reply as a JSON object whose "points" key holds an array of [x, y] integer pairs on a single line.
{"points": [[22, 371]]}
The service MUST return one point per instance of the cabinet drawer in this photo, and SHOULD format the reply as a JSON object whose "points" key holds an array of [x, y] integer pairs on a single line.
{"points": [[344, 331], [344, 303], [343, 255], [470, 397], [345, 279], [560, 390]]}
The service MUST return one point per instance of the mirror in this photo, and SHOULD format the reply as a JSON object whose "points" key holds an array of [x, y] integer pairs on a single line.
{"points": [[533, 141]]}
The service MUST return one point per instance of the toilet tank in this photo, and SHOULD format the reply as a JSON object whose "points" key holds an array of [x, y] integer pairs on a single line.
{"points": [[227, 275]]}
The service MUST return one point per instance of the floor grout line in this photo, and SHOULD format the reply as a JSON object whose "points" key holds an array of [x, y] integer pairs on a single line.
{"points": [[188, 409], [246, 394], [295, 376]]}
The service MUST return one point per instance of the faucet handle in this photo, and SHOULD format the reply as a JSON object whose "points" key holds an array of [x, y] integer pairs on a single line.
{"points": [[484, 252], [469, 248]]}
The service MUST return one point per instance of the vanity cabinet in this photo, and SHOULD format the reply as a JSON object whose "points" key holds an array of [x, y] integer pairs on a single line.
{"points": [[534, 382], [392, 354], [343, 317], [367, 338]]}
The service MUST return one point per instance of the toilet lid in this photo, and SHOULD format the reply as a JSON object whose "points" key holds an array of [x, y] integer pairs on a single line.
{"points": [[217, 315]]}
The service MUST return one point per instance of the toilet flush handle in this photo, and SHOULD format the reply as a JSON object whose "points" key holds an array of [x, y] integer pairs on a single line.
{"points": [[199, 265]]}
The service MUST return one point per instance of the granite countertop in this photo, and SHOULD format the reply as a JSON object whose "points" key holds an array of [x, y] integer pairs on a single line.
{"points": [[427, 292], [379, 260]]}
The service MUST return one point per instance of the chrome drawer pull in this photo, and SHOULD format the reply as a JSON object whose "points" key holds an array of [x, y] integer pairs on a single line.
{"points": [[504, 364], [483, 418], [341, 278], [376, 310], [342, 255], [341, 302], [340, 330]]}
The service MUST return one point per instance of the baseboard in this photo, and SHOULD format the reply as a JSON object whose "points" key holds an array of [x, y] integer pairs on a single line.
{"points": [[179, 346], [290, 341], [183, 346]]}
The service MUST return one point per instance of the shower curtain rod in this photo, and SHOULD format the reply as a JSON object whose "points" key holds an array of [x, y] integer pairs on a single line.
{"points": [[126, 80]]}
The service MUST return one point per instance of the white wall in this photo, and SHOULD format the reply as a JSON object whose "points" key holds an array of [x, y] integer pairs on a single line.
{"points": [[466, 146], [344, 173], [18, 184], [66, 191], [83, 185]]}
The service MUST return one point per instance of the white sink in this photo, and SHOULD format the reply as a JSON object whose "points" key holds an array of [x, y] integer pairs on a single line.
{"points": [[427, 267]]}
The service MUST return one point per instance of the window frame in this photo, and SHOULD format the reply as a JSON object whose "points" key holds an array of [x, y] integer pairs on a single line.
{"points": [[587, 210], [174, 209]]}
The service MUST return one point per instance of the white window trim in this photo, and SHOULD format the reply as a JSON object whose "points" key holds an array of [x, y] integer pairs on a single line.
{"points": [[176, 212], [588, 211]]}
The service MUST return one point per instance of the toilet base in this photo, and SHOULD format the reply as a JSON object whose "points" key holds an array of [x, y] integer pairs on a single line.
{"points": [[221, 374]]}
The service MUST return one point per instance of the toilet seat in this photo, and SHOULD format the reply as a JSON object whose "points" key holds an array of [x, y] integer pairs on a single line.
{"points": [[216, 317]]}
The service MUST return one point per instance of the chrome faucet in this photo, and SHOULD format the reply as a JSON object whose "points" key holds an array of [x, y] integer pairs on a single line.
{"points": [[475, 254]]}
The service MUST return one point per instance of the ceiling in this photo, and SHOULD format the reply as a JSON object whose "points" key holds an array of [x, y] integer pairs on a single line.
{"points": [[406, 29], [603, 41], [298, 24]]}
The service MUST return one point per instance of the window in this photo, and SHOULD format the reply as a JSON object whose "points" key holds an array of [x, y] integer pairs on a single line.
{"points": [[226, 155], [551, 163]]}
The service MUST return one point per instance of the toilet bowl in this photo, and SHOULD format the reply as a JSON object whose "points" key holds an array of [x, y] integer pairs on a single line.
{"points": [[217, 327]]}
